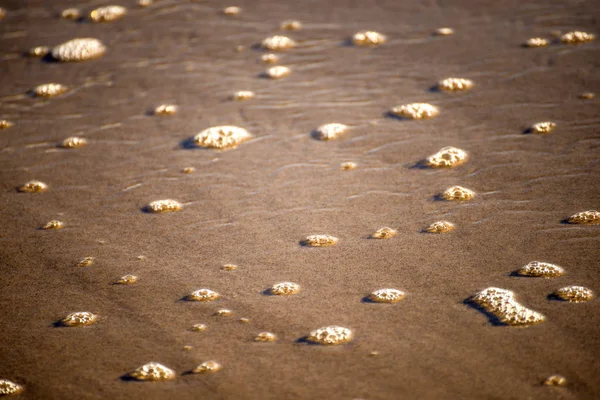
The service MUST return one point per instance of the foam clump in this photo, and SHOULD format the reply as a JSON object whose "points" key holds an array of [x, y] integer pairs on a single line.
{"points": [[543, 127], [444, 31], [577, 37], [501, 303], [165, 109], [536, 42], [555, 380], [222, 137], [153, 371], [86, 262], [224, 312], [447, 157], [73, 142], [54, 224], [163, 206], [269, 58], [290, 25], [79, 49], [440, 227], [243, 95], [127, 280], [587, 95], [285, 289], [590, 217], [50, 90], [415, 111], [330, 131], [70, 13], [574, 294], [33, 187], [384, 233], [79, 318], [386, 296], [455, 84], [320, 240], [229, 267], [541, 269], [330, 335], [348, 165], [38, 51], [265, 337], [108, 13], [278, 42], [203, 295], [458, 193], [277, 72], [5, 124], [368, 38], [232, 10], [7, 387], [207, 367], [199, 328]]}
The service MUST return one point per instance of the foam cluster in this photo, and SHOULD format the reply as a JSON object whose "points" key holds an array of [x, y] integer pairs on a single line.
{"points": [[444, 32], [127, 280], [163, 206], [455, 84], [591, 217], [277, 72], [50, 90], [153, 371], [501, 303], [541, 269], [73, 142], [574, 294], [458, 193], [290, 25], [368, 38], [536, 42], [330, 131], [108, 13], [79, 318], [384, 233], [320, 240], [79, 49], [203, 295], [447, 157], [555, 380], [330, 335], [265, 337], [222, 137], [543, 127], [278, 42], [386, 296], [285, 289], [577, 37], [415, 111], [33, 187], [440, 227], [54, 224], [165, 109], [86, 262], [8, 388], [5, 124], [243, 95], [207, 367]]}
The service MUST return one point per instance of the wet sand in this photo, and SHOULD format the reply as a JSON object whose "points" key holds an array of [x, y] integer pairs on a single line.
{"points": [[252, 206]]}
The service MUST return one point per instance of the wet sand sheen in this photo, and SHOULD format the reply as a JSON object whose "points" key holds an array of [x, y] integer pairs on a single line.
{"points": [[269, 196]]}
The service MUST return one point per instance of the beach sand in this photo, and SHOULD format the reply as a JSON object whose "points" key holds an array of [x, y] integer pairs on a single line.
{"points": [[252, 206]]}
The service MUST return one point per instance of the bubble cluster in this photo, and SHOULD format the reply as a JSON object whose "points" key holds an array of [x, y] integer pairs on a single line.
{"points": [[348, 165], [320, 240], [199, 328], [127, 280], [444, 32], [587, 95], [368, 38], [590, 217], [54, 224], [79, 49], [384, 233], [188, 170], [7, 387], [33, 187], [543, 127], [386, 296], [278, 42], [163, 206], [50, 90], [79, 318], [245, 320], [447, 157], [440, 227], [574, 294], [290, 25], [458, 193], [71, 13], [144, 3], [455, 84], [285, 289], [229, 267], [277, 72], [232, 10], [415, 111], [502, 304], [165, 109], [222, 137], [207, 367], [269, 58], [38, 51], [108, 13], [153, 371], [223, 312], [536, 42], [203, 295], [243, 95], [5, 124], [541, 269], [555, 380], [330, 131], [265, 337], [577, 37], [86, 262], [330, 335], [73, 142]]}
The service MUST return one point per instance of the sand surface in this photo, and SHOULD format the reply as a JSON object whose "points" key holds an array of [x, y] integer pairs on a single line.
{"points": [[252, 206]]}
